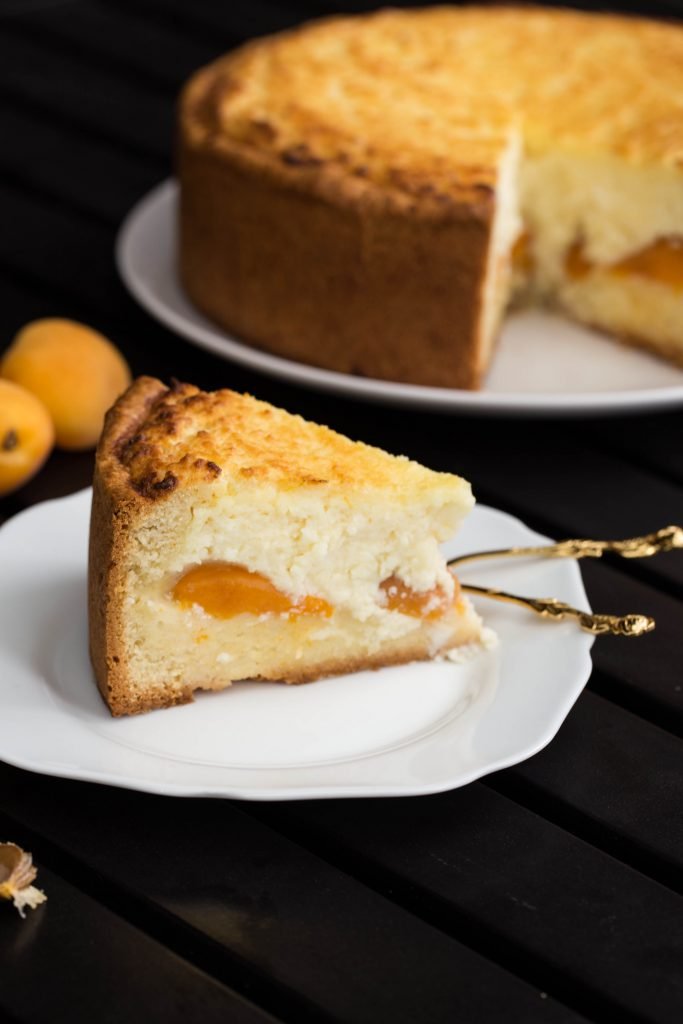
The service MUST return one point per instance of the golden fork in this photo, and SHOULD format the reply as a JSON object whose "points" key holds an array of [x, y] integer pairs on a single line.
{"points": [[553, 608], [666, 539]]}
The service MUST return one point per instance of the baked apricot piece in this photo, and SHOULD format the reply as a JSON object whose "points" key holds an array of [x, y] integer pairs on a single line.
{"points": [[225, 590], [75, 371], [26, 435]]}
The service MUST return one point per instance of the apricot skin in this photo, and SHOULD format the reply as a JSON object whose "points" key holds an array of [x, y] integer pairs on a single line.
{"points": [[75, 371], [26, 435]]}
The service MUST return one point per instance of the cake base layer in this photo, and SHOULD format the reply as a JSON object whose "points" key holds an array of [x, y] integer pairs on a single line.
{"points": [[633, 310], [188, 651]]}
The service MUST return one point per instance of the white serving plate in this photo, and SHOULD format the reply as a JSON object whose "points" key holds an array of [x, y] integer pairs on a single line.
{"points": [[408, 730]]}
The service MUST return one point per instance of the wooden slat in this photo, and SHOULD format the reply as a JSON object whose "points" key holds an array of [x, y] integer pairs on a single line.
{"points": [[93, 99], [256, 18], [527, 891], [662, 8], [53, 246], [295, 925], [129, 45], [73, 959], [654, 441], [614, 778], [643, 674], [98, 179]]}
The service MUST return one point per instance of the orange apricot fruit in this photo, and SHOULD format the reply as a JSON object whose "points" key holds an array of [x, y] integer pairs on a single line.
{"points": [[75, 371], [26, 435]]}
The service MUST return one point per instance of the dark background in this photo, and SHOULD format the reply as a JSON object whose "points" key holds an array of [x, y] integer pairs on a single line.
{"points": [[547, 892]]}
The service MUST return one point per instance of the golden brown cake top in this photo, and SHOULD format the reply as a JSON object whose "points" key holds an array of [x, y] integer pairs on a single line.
{"points": [[425, 99], [168, 438]]}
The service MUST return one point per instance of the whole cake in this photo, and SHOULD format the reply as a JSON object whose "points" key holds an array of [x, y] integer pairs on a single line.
{"points": [[231, 540], [368, 194]]}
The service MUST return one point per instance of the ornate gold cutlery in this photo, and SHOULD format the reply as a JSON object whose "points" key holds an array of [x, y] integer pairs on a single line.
{"points": [[666, 539]]}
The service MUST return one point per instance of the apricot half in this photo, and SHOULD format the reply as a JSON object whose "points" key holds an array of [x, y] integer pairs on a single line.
{"points": [[26, 435], [75, 371]]}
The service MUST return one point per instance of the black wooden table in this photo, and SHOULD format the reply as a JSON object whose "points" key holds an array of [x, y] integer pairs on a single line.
{"points": [[546, 892]]}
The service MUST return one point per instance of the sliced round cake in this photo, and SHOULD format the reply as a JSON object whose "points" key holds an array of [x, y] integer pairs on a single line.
{"points": [[369, 194]]}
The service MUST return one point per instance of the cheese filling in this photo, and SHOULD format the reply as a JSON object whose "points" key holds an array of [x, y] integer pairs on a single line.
{"points": [[225, 590]]}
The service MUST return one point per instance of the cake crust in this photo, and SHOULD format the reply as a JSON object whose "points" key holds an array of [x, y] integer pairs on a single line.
{"points": [[157, 439], [116, 507], [362, 265]]}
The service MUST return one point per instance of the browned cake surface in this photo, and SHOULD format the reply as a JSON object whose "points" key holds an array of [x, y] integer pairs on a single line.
{"points": [[420, 100], [165, 438]]}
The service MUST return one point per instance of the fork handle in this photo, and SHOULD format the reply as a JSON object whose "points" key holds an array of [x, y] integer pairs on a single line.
{"points": [[666, 539], [553, 608]]}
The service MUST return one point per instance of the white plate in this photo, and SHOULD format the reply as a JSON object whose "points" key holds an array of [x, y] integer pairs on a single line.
{"points": [[413, 729], [543, 364]]}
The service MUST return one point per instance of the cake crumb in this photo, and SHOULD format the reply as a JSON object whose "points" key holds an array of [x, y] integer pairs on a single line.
{"points": [[488, 641]]}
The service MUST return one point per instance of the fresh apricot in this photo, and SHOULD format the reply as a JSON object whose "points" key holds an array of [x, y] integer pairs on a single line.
{"points": [[75, 371], [26, 435]]}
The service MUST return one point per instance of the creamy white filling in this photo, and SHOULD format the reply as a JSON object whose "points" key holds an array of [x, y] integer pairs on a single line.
{"points": [[614, 208], [304, 545]]}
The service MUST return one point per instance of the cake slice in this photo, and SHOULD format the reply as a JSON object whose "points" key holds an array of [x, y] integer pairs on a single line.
{"points": [[231, 540]]}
